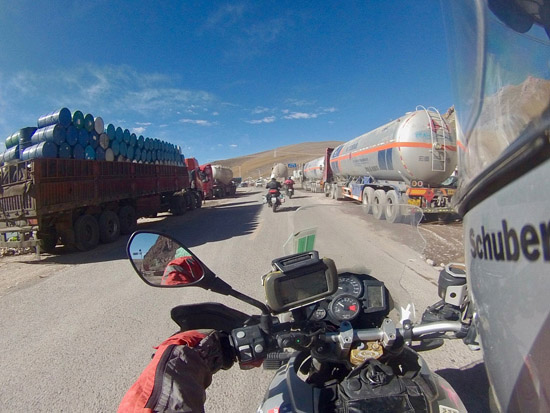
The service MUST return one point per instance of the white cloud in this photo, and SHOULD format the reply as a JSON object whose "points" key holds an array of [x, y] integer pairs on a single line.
{"points": [[138, 131], [300, 102], [144, 123], [233, 145], [259, 109], [268, 119], [200, 122], [301, 115]]}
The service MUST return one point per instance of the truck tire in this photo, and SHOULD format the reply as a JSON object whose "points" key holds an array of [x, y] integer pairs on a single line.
{"points": [[86, 232], [178, 205], [378, 204], [127, 218], [393, 209], [47, 240], [328, 190], [190, 201], [198, 199], [368, 199], [109, 227]]}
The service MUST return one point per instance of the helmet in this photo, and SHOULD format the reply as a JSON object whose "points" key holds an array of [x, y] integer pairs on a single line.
{"points": [[500, 50]]}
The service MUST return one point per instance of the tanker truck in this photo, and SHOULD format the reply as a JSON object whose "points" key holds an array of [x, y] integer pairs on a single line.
{"points": [[223, 184], [315, 173], [279, 171], [402, 162]]}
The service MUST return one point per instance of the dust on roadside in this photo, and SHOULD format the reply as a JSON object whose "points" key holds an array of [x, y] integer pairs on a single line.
{"points": [[444, 242], [19, 271]]}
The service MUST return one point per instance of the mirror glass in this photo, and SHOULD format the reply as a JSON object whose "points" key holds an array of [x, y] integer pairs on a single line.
{"points": [[162, 261]]}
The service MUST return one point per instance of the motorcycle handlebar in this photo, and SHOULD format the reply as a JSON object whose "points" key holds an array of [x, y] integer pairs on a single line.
{"points": [[417, 332]]}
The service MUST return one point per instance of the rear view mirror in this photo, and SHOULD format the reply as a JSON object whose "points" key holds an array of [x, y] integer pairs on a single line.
{"points": [[161, 261]]}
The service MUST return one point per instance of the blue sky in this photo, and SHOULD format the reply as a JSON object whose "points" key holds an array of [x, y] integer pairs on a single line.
{"points": [[223, 79]]}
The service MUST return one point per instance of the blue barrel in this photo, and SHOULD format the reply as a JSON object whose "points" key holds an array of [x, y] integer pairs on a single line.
{"points": [[149, 156], [126, 136], [89, 153], [46, 149], [65, 151], [144, 155], [123, 149], [111, 131], [119, 134], [25, 136], [109, 155], [78, 119], [133, 139], [12, 140], [94, 140], [11, 154], [104, 141], [115, 146], [140, 142], [100, 153], [99, 125], [61, 116], [28, 153], [130, 152], [137, 154], [72, 135], [83, 137], [89, 123], [78, 151], [53, 133], [147, 145]]}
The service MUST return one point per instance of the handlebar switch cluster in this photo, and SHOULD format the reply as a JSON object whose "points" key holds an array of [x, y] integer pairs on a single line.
{"points": [[249, 343], [294, 340]]}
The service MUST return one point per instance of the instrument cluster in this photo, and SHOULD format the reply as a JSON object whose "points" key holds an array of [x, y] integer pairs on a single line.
{"points": [[359, 298]]}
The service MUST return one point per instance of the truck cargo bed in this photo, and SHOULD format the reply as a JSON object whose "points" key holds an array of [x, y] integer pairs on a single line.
{"points": [[45, 186]]}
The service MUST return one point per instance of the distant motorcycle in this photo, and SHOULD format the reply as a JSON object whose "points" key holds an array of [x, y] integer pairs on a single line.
{"points": [[289, 191], [274, 199]]}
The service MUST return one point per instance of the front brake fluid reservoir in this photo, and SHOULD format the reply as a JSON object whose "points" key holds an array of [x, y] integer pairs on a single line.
{"points": [[365, 350]]}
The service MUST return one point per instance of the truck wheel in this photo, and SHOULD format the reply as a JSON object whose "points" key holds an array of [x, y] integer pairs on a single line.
{"points": [[393, 209], [178, 206], [328, 190], [109, 227], [378, 204], [48, 240], [198, 199], [86, 232], [190, 201], [127, 219], [368, 198]]}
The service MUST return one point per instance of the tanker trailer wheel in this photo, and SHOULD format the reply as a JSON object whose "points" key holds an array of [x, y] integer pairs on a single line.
{"points": [[86, 232], [393, 209], [368, 199], [128, 220], [109, 227], [378, 204]]}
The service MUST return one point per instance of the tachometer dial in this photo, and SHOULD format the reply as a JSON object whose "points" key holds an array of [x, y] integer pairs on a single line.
{"points": [[350, 285], [344, 307]]}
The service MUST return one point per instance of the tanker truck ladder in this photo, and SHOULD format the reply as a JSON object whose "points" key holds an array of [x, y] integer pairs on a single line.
{"points": [[439, 138]]}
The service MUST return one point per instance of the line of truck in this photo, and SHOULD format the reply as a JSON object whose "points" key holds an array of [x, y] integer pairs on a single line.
{"points": [[48, 200], [404, 161]]}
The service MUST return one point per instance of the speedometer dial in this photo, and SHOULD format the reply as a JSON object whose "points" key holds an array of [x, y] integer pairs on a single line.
{"points": [[344, 307], [350, 285]]}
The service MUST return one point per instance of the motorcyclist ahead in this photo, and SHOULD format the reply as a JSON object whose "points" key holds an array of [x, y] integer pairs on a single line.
{"points": [[273, 188], [289, 183]]}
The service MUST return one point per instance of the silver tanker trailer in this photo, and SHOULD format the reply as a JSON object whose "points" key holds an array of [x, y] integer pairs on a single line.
{"points": [[402, 162], [223, 181]]}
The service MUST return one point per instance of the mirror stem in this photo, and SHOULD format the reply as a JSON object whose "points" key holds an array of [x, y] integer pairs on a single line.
{"points": [[221, 287]]}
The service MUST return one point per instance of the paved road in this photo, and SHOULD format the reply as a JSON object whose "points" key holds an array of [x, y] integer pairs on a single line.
{"points": [[76, 340]]}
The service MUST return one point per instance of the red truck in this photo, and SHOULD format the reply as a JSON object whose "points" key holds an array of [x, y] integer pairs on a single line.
{"points": [[81, 202], [212, 181]]}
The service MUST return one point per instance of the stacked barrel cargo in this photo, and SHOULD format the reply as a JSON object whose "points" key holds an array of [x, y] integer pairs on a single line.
{"points": [[72, 181], [62, 134]]}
